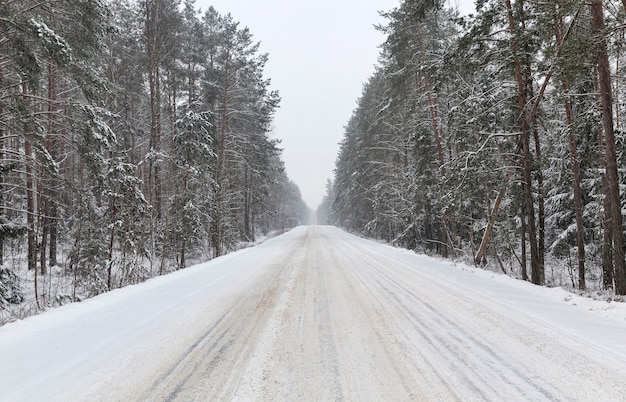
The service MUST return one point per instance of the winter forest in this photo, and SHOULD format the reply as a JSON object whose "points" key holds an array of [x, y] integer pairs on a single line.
{"points": [[496, 139], [135, 138]]}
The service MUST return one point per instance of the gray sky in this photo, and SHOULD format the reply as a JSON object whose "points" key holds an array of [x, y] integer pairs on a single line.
{"points": [[320, 55]]}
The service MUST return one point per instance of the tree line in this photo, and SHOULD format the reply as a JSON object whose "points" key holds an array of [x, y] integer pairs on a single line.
{"points": [[495, 137], [134, 135]]}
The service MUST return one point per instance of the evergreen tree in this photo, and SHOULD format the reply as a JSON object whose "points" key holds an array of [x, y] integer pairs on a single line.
{"points": [[457, 142], [134, 134]]}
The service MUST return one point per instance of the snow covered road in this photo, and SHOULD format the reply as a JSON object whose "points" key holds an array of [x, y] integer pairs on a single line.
{"points": [[318, 314]]}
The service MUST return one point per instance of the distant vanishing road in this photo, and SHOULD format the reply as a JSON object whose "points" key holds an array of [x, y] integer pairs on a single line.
{"points": [[318, 315]]}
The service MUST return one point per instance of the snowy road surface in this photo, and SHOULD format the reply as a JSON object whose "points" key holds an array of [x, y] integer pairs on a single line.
{"points": [[318, 314]]}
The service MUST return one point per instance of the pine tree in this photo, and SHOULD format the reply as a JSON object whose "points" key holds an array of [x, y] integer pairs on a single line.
{"points": [[613, 195]]}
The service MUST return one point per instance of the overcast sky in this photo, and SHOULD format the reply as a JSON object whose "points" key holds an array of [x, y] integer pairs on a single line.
{"points": [[320, 55]]}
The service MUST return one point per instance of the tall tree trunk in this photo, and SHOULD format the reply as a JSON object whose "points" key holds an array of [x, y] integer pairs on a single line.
{"points": [[532, 120], [537, 274], [220, 177], [604, 80], [607, 244], [428, 226], [30, 207], [111, 243], [53, 233], [3, 215], [607, 237], [75, 261], [30, 196], [156, 143], [154, 68], [541, 214], [182, 254], [434, 117], [55, 149], [578, 204], [524, 259], [48, 180], [247, 211], [44, 222]]}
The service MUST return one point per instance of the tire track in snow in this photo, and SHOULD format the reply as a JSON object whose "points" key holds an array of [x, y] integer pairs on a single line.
{"points": [[528, 370], [331, 317], [453, 343], [298, 356], [251, 383], [543, 367], [212, 366], [391, 360]]}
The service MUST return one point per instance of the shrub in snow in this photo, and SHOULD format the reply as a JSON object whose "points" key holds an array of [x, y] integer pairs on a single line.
{"points": [[10, 290]]}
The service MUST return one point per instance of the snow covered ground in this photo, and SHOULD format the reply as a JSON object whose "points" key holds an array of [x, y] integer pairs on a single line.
{"points": [[318, 314]]}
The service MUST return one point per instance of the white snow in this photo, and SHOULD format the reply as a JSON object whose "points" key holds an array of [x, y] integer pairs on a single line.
{"points": [[67, 351], [123, 338]]}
